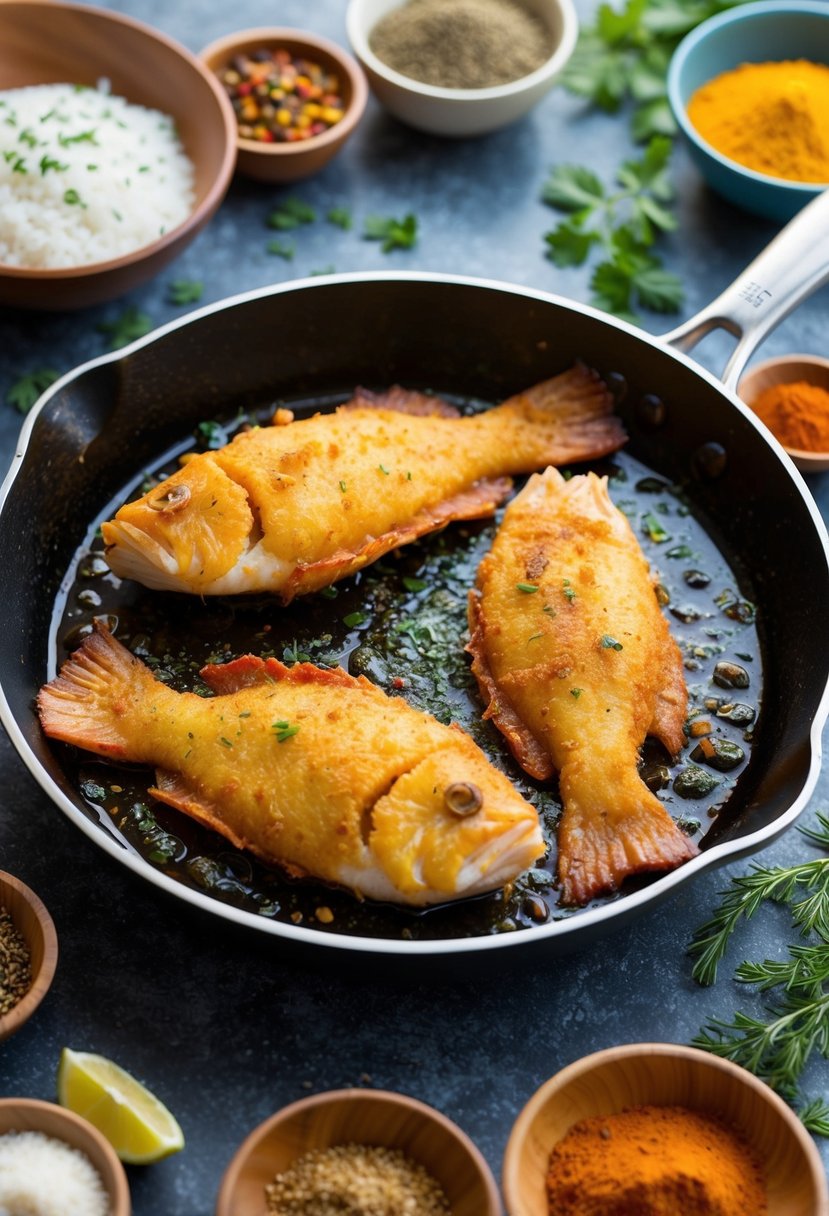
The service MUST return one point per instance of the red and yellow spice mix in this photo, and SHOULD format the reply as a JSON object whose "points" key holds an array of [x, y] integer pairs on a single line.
{"points": [[281, 98], [655, 1161]]}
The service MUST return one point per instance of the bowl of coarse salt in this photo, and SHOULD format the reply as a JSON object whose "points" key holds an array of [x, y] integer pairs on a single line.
{"points": [[356, 1145], [465, 68], [53, 1162], [117, 145]]}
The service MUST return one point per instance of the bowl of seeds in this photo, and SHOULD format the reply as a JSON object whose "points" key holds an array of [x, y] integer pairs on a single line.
{"points": [[363, 1149], [28, 953]]}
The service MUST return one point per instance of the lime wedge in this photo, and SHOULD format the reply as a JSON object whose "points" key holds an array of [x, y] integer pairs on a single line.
{"points": [[138, 1126]]}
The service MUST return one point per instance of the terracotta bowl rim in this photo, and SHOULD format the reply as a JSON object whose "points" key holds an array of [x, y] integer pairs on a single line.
{"points": [[215, 51], [803, 457], [214, 194], [20, 1013]]}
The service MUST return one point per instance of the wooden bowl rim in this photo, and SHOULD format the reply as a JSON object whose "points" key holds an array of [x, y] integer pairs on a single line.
{"points": [[805, 460], [214, 194], [693, 1055], [41, 982], [113, 1178], [342, 1097], [223, 48]]}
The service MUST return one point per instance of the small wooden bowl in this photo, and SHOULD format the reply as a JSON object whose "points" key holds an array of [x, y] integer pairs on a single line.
{"points": [[289, 162], [37, 929], [48, 42], [663, 1074], [788, 369], [361, 1116], [30, 1115]]}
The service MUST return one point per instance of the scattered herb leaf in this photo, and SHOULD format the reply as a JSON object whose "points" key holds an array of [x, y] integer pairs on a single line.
{"points": [[24, 392], [185, 291], [395, 234], [130, 325], [340, 216]]}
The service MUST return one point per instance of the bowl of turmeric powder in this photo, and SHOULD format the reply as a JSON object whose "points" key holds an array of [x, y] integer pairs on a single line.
{"points": [[749, 90], [790, 395], [659, 1127]]}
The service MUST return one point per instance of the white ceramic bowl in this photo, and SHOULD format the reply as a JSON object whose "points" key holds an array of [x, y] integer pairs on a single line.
{"points": [[460, 112]]}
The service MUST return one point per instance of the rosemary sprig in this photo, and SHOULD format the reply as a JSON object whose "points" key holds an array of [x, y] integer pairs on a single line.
{"points": [[778, 1046]]}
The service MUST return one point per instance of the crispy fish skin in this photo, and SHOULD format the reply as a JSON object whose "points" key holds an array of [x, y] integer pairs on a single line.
{"points": [[292, 508], [576, 663], [367, 793]]}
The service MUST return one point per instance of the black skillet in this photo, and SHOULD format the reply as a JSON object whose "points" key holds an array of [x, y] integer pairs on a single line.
{"points": [[99, 426]]}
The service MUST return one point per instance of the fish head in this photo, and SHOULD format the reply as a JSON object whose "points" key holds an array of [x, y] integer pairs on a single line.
{"points": [[183, 534], [453, 826]]}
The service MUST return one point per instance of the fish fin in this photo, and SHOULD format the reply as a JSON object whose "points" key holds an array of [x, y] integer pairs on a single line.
{"points": [[616, 830], [174, 790], [402, 401], [530, 753], [566, 418], [479, 501], [86, 703], [671, 708], [249, 671]]}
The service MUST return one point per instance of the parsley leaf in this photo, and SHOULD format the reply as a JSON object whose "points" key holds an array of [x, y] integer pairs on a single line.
{"points": [[24, 392], [282, 249], [340, 216], [130, 325], [185, 291], [291, 213], [395, 234]]}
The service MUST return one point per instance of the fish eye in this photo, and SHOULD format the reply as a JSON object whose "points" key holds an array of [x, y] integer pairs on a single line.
{"points": [[171, 498], [463, 798]]}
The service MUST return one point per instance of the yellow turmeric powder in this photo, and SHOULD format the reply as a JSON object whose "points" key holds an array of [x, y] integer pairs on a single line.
{"points": [[769, 117], [654, 1161], [797, 413]]}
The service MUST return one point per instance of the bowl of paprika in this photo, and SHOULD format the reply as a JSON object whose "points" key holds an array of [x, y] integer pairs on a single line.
{"points": [[790, 394], [749, 90], [660, 1127]]}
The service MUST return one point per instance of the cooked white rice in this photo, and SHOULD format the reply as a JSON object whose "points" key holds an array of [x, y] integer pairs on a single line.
{"points": [[85, 176]]}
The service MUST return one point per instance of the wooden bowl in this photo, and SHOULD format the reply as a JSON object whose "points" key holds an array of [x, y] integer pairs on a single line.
{"points": [[44, 42], [663, 1074], [30, 1115], [362, 1116], [289, 162], [788, 369], [37, 929]]}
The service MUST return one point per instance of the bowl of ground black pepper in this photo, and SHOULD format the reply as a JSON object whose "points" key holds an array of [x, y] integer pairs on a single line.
{"points": [[297, 98], [465, 68], [358, 1150], [28, 953], [790, 395], [659, 1127]]}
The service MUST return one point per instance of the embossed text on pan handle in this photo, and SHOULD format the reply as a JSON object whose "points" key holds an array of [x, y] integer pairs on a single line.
{"points": [[788, 270]]}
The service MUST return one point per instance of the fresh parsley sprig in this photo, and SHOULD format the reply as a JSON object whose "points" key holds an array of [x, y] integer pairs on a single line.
{"points": [[776, 1047], [26, 390], [395, 234], [624, 224], [624, 56]]}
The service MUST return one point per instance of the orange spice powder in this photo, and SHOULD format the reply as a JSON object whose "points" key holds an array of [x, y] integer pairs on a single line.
{"points": [[654, 1161], [797, 414]]}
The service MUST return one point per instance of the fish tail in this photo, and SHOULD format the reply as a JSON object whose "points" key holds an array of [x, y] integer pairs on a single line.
{"points": [[88, 703], [600, 845], [566, 418]]}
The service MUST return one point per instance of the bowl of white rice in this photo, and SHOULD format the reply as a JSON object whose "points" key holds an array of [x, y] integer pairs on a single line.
{"points": [[117, 146]]}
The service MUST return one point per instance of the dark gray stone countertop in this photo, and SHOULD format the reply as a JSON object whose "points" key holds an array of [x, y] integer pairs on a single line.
{"points": [[222, 1026]]}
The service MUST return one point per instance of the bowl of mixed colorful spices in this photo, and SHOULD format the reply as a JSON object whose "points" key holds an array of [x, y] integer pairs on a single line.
{"points": [[297, 98], [28, 953], [358, 1150], [465, 68]]}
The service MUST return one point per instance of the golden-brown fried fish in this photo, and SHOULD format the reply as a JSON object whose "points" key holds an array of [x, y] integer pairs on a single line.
{"points": [[292, 508], [312, 770], [575, 660]]}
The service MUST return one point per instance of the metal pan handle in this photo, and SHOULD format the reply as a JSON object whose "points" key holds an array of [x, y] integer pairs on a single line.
{"points": [[788, 270]]}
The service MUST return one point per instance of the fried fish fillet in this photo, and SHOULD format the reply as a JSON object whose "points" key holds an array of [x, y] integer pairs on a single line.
{"points": [[292, 508], [576, 663], [312, 770]]}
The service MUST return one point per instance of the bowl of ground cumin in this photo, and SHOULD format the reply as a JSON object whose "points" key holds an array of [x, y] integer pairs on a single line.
{"points": [[28, 953], [358, 1150], [465, 68], [790, 395], [749, 89], [658, 1129]]}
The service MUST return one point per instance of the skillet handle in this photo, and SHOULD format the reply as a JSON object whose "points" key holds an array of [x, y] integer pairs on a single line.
{"points": [[788, 270]]}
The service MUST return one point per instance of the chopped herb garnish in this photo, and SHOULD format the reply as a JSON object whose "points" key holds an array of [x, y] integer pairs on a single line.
{"points": [[212, 433], [576, 692], [414, 584], [185, 291], [609, 643], [354, 618], [282, 249], [49, 162], [225, 742], [73, 198], [329, 593], [568, 590], [342, 487], [340, 216], [131, 324], [654, 529], [550, 610], [84, 137], [527, 588], [25, 391], [535, 637], [290, 214], [395, 234], [284, 730], [27, 137], [383, 469]]}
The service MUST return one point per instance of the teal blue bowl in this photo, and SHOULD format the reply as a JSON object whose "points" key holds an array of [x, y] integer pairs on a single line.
{"points": [[771, 30]]}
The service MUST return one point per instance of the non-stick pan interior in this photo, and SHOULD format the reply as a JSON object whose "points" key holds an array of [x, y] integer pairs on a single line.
{"points": [[319, 339]]}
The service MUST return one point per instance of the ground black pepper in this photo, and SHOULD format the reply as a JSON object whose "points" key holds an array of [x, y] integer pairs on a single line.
{"points": [[468, 44], [15, 964]]}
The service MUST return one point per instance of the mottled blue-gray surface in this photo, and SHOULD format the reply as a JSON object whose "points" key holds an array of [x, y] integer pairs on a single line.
{"points": [[216, 1020]]}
